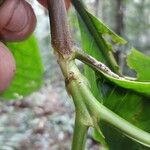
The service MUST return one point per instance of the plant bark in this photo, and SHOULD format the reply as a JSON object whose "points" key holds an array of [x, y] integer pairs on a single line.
{"points": [[60, 34]]}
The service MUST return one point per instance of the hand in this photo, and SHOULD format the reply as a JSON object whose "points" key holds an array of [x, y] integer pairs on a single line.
{"points": [[17, 22]]}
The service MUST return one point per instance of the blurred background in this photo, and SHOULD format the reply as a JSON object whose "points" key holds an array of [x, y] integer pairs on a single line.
{"points": [[44, 120]]}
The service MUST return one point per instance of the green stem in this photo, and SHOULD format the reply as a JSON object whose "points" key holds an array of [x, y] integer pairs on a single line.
{"points": [[79, 136], [83, 119], [62, 44], [93, 63]]}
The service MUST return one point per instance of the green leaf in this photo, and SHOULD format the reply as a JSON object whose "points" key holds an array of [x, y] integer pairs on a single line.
{"points": [[102, 29], [92, 49], [29, 69], [130, 106], [125, 102], [140, 63], [137, 86], [96, 36], [90, 44]]}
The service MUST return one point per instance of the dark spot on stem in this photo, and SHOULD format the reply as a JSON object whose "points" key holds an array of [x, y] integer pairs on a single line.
{"points": [[70, 78]]}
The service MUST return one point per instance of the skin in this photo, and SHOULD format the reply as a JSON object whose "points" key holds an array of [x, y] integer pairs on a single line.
{"points": [[17, 20], [7, 67]]}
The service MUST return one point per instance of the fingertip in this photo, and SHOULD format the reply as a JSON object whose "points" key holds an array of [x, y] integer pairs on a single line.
{"points": [[21, 24], [7, 67]]}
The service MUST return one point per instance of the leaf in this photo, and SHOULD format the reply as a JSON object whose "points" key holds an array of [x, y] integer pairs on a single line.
{"points": [[136, 61], [92, 49], [96, 37], [102, 29], [140, 63], [128, 104], [137, 86], [29, 69]]}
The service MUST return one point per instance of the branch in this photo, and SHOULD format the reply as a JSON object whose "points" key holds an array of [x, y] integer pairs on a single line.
{"points": [[79, 136], [98, 66], [95, 64], [60, 34]]}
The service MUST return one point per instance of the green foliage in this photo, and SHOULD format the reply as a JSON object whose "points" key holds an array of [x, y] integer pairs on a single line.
{"points": [[95, 45], [102, 29], [121, 98], [93, 51], [140, 63], [102, 46], [29, 69]]}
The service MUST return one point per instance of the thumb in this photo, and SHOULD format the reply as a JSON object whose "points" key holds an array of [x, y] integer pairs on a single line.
{"points": [[7, 67]]}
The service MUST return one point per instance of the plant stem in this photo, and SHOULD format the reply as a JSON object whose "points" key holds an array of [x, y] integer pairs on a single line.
{"points": [[60, 34], [62, 43], [93, 63], [79, 136], [83, 119]]}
